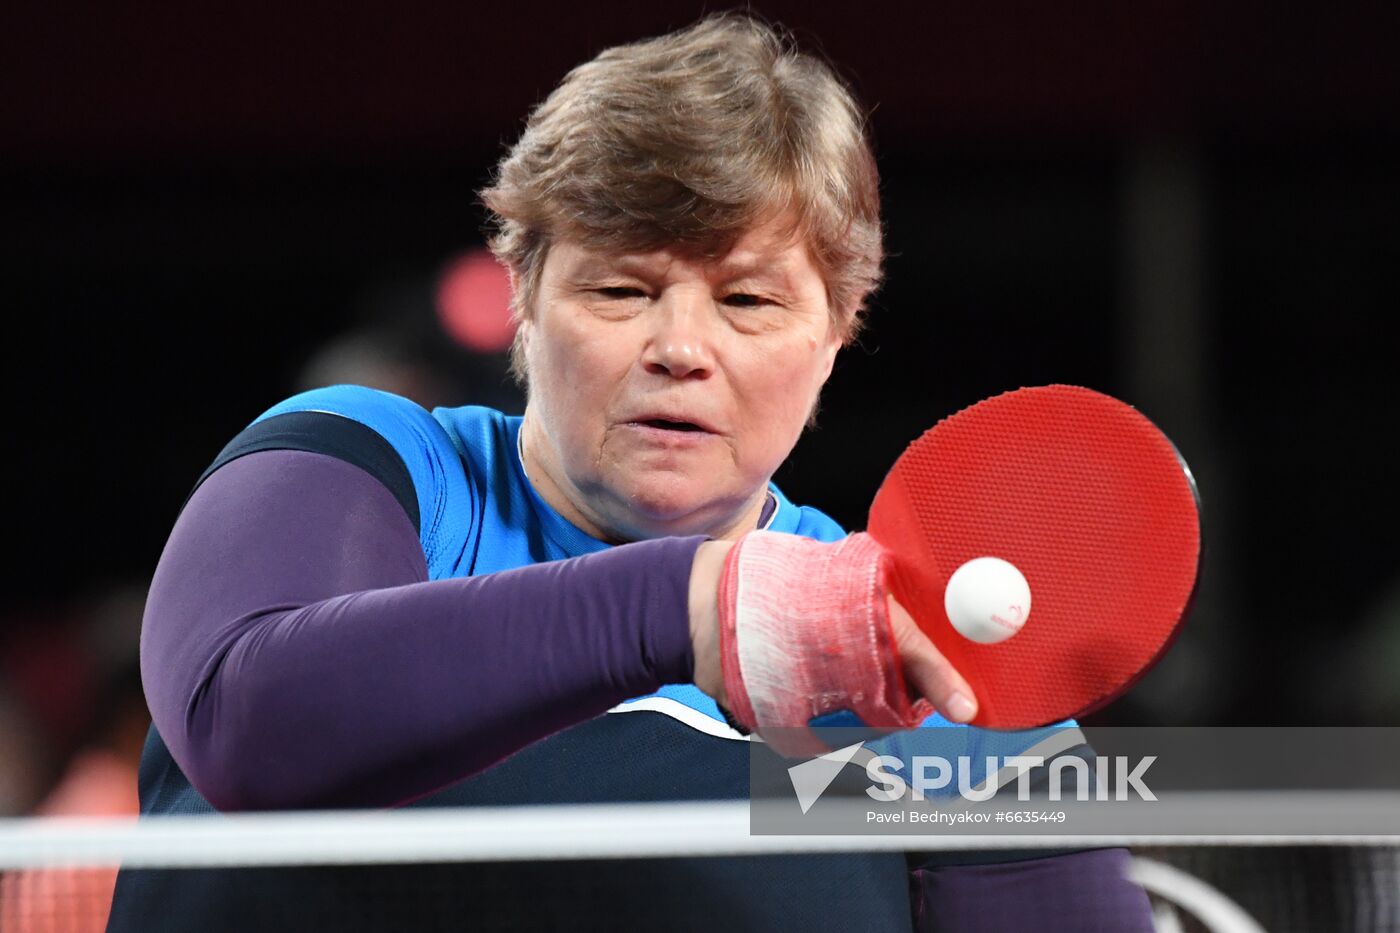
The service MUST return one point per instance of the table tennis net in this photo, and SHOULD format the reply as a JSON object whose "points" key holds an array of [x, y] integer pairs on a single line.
{"points": [[594, 867]]}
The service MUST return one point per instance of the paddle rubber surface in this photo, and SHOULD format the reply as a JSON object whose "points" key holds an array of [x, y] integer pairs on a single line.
{"points": [[1095, 507]]}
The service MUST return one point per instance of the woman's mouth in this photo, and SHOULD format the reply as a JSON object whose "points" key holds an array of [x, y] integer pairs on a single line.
{"points": [[666, 424], [673, 433]]}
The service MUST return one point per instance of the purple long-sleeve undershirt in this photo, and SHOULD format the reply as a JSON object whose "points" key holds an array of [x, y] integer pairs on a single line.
{"points": [[294, 653]]}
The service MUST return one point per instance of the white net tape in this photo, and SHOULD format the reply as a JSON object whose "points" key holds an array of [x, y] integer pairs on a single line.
{"points": [[518, 833]]}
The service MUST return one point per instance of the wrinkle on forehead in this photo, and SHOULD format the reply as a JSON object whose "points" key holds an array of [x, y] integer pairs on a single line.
{"points": [[767, 250]]}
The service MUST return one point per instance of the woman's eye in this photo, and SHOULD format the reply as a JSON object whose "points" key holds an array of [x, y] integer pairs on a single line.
{"points": [[620, 291], [740, 300]]}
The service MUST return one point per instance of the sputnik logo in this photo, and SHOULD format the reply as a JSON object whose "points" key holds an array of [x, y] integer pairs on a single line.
{"points": [[811, 778]]}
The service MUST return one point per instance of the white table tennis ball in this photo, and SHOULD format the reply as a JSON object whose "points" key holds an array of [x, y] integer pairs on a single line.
{"points": [[987, 600]]}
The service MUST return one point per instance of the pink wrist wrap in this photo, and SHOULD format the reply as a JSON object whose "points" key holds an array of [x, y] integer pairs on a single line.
{"points": [[804, 632]]}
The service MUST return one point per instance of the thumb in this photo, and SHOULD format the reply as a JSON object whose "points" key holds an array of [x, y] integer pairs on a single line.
{"points": [[928, 673]]}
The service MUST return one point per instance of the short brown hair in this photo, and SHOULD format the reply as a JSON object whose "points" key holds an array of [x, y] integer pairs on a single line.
{"points": [[687, 140]]}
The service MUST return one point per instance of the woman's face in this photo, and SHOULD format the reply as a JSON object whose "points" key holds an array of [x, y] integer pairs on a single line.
{"points": [[665, 390]]}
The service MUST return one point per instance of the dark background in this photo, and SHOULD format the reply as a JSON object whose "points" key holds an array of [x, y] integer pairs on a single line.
{"points": [[1191, 206]]}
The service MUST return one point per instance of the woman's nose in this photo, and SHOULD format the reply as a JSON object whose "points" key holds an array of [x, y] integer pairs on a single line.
{"points": [[680, 343]]}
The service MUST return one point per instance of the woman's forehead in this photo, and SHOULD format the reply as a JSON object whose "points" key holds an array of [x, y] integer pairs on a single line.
{"points": [[765, 250]]}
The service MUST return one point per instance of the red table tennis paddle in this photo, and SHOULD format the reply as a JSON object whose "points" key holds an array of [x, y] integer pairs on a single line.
{"points": [[1094, 506]]}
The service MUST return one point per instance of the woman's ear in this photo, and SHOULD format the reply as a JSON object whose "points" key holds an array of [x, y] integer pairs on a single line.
{"points": [[513, 275], [835, 340], [833, 347], [520, 343]]}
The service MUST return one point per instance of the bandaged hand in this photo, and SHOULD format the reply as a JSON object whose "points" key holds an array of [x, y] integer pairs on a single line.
{"points": [[806, 631]]}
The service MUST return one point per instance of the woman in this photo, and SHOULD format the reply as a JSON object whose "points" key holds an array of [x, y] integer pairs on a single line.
{"points": [[364, 604]]}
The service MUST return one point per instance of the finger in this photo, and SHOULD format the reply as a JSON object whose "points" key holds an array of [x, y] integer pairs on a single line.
{"points": [[929, 673]]}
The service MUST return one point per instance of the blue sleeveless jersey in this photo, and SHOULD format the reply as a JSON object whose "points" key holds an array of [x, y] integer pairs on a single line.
{"points": [[479, 514]]}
